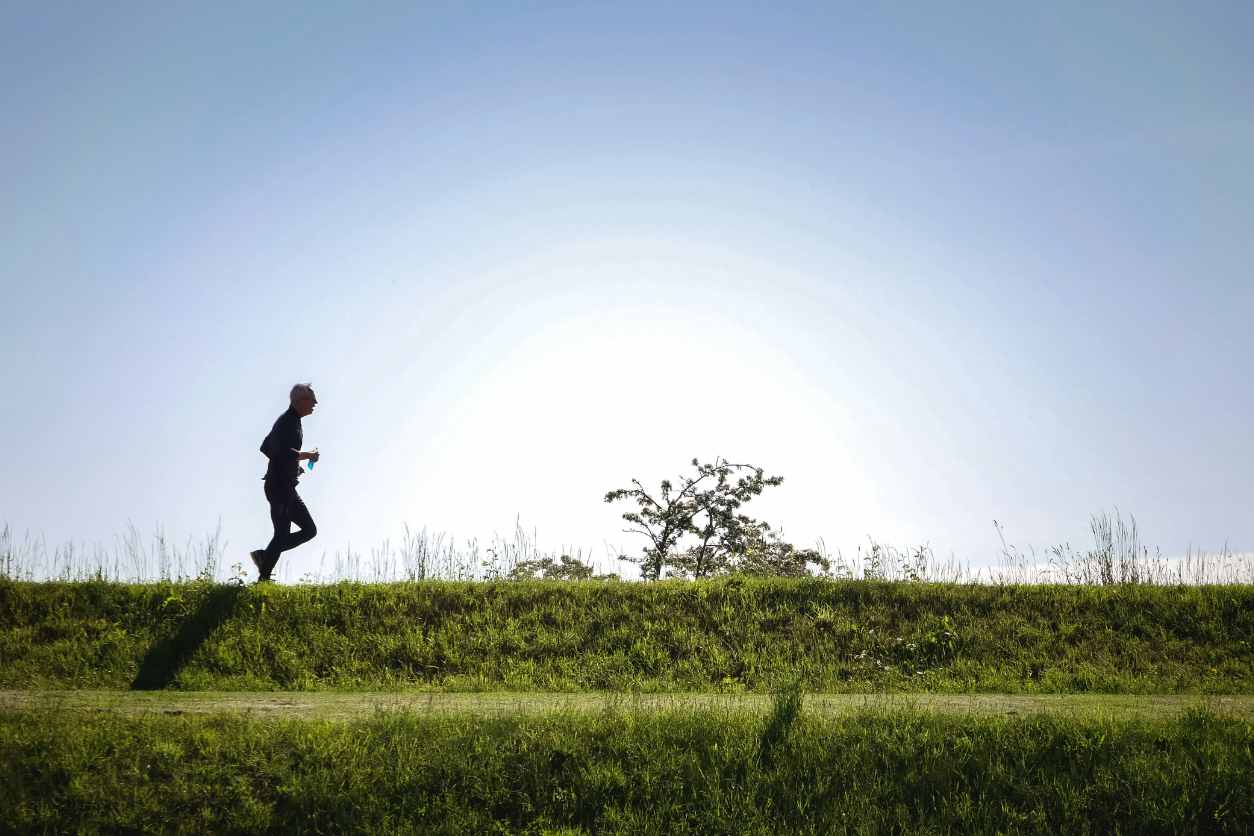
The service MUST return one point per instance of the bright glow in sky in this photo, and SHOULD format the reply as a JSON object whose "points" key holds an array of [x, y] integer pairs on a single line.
{"points": [[933, 267]]}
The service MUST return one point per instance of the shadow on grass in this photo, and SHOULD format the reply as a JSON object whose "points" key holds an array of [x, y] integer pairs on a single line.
{"points": [[167, 657]]}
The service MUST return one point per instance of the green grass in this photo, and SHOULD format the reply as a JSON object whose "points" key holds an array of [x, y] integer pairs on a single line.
{"points": [[717, 636], [628, 772], [698, 747]]}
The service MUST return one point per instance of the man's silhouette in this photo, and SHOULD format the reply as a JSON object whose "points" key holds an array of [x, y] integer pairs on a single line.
{"points": [[282, 447]]}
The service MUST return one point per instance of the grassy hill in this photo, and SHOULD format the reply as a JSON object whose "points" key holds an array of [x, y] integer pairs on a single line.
{"points": [[726, 635]]}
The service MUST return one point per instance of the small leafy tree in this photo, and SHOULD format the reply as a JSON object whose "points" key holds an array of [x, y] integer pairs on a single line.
{"points": [[566, 568], [705, 509], [765, 553]]}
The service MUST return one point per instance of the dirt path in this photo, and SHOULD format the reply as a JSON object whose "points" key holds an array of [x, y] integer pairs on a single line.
{"points": [[339, 705]]}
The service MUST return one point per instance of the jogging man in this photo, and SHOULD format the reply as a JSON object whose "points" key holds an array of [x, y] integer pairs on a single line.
{"points": [[282, 447]]}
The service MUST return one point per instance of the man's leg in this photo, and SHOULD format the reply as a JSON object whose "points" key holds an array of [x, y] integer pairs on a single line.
{"points": [[286, 507], [299, 514], [278, 499]]}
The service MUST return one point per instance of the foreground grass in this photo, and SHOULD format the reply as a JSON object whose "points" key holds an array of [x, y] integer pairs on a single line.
{"points": [[625, 771], [729, 635]]}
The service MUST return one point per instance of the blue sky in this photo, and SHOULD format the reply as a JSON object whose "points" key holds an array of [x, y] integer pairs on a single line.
{"points": [[934, 266]]}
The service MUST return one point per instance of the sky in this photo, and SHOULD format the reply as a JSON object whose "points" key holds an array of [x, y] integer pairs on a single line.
{"points": [[934, 264]]}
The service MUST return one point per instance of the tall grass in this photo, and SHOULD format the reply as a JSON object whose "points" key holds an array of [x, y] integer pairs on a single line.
{"points": [[131, 556], [1116, 557]]}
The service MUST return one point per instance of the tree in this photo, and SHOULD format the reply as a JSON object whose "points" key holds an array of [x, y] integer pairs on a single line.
{"points": [[705, 508]]}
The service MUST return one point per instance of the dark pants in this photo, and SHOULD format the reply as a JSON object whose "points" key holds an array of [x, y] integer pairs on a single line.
{"points": [[286, 507]]}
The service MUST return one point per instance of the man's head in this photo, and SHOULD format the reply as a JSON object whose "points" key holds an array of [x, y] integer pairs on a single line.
{"points": [[303, 399]]}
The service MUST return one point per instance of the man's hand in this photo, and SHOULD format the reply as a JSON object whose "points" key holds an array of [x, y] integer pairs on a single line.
{"points": [[300, 456]]}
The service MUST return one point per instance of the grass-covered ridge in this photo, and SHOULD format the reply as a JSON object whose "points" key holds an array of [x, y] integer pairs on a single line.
{"points": [[622, 772], [679, 636]]}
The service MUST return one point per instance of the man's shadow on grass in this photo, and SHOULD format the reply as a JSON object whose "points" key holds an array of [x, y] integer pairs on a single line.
{"points": [[167, 657]]}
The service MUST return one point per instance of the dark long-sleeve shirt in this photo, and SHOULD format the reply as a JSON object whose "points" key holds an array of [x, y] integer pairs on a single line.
{"points": [[283, 443]]}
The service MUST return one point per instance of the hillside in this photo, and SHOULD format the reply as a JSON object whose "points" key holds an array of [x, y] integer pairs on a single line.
{"points": [[729, 635]]}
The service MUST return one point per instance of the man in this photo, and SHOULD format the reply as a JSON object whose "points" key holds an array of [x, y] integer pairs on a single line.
{"points": [[282, 447]]}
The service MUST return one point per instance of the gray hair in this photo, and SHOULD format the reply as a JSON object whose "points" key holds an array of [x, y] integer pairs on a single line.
{"points": [[300, 390]]}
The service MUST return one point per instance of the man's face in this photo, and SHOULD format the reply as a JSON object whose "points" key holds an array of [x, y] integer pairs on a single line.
{"points": [[305, 405]]}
